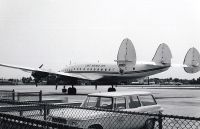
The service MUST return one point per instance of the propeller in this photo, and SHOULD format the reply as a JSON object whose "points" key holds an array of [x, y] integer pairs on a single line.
{"points": [[38, 75]]}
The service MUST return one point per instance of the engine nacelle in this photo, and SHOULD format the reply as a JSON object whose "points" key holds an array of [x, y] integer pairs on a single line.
{"points": [[38, 76]]}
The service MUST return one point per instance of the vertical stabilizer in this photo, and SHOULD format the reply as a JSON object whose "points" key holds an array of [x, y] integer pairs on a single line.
{"points": [[192, 61], [163, 55], [126, 57]]}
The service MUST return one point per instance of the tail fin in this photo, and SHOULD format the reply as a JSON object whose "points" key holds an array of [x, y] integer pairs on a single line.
{"points": [[192, 61], [126, 57], [163, 55]]}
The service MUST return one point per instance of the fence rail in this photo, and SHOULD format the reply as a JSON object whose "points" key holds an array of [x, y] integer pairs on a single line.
{"points": [[20, 96], [7, 94]]}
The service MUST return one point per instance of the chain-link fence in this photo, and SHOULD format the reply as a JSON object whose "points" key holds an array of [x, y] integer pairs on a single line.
{"points": [[78, 117], [15, 122]]}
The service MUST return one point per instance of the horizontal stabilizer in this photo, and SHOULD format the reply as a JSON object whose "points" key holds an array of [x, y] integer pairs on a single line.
{"points": [[163, 55], [192, 61]]}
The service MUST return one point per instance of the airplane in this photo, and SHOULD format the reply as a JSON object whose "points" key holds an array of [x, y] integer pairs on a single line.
{"points": [[125, 69]]}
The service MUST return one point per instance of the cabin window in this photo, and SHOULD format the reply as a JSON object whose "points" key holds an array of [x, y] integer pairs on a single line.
{"points": [[101, 69], [98, 69], [74, 68], [108, 69], [105, 69], [87, 69], [83, 68], [94, 69], [91, 69], [80, 68]]}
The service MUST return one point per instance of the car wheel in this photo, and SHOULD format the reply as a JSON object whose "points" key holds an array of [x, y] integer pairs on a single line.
{"points": [[149, 124], [95, 127]]}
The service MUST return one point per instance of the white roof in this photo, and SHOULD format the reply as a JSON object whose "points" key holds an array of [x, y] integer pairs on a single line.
{"points": [[122, 93]]}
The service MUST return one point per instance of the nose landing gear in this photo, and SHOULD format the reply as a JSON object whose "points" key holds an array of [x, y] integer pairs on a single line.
{"points": [[111, 89], [64, 90]]}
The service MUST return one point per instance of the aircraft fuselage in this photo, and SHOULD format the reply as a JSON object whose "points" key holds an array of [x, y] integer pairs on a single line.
{"points": [[110, 72]]}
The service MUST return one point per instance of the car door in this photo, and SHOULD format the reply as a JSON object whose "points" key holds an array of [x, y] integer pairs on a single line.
{"points": [[120, 119]]}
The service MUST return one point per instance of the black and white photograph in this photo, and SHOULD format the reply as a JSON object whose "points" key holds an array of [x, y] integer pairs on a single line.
{"points": [[99, 64]]}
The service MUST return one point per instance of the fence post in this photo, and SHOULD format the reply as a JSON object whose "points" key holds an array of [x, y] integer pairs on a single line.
{"points": [[40, 96], [20, 113], [45, 112], [13, 95], [160, 121]]}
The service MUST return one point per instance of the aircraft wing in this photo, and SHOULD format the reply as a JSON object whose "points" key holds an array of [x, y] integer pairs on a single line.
{"points": [[84, 76], [21, 68]]}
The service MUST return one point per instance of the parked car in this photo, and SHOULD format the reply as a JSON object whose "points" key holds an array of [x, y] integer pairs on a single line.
{"points": [[87, 117]]}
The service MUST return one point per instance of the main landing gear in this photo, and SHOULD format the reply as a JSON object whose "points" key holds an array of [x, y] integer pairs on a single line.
{"points": [[111, 89], [71, 90]]}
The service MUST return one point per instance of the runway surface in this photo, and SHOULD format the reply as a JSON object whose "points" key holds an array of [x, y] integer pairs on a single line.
{"points": [[175, 101]]}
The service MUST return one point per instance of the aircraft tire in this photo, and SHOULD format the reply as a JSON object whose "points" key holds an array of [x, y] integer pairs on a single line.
{"points": [[111, 89], [72, 91], [69, 91], [64, 90]]}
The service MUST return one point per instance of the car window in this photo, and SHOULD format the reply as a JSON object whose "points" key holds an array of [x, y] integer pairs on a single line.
{"points": [[106, 103], [120, 103], [147, 100], [92, 101], [98, 102], [133, 102]]}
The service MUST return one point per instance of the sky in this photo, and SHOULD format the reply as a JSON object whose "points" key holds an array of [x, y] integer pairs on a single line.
{"points": [[57, 32]]}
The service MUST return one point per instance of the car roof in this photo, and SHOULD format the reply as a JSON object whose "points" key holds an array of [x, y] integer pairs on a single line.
{"points": [[122, 93]]}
